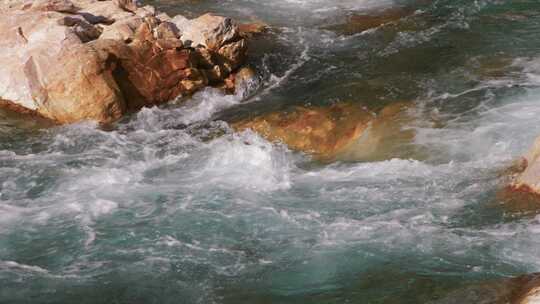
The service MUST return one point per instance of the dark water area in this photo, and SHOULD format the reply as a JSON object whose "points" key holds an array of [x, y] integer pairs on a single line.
{"points": [[170, 205]]}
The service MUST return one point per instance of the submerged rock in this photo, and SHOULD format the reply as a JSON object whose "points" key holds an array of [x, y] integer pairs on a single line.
{"points": [[346, 131], [251, 29], [358, 23], [97, 60]]}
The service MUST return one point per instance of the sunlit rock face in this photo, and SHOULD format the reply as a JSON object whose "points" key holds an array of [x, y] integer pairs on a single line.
{"points": [[344, 131], [97, 60], [253, 28], [532, 296], [528, 290], [528, 180]]}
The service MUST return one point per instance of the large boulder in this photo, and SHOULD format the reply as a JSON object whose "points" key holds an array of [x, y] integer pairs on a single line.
{"points": [[45, 67], [531, 297], [346, 131], [97, 60], [248, 30]]}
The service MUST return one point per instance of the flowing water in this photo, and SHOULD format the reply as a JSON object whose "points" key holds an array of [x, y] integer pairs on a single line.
{"points": [[171, 206]]}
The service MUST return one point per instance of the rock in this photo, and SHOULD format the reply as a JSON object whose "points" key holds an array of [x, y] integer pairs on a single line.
{"points": [[127, 5], [217, 41], [240, 82], [12, 115], [84, 30], [166, 30], [7, 5], [248, 30], [528, 289], [47, 69], [96, 19], [516, 197], [31, 41], [79, 92], [145, 31], [325, 132], [244, 79], [385, 138], [58, 64], [64, 6], [122, 30], [210, 31], [233, 54], [372, 19], [146, 11], [165, 17], [532, 296], [528, 181], [180, 21], [148, 74], [104, 9], [321, 131]]}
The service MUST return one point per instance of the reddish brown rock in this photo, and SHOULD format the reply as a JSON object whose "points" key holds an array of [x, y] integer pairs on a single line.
{"points": [[127, 5], [46, 68], [209, 31], [248, 30], [63, 6], [79, 92], [103, 9], [122, 30], [524, 189], [233, 54], [68, 69], [527, 290], [152, 71], [518, 290], [358, 23], [343, 130], [166, 30], [531, 297]]}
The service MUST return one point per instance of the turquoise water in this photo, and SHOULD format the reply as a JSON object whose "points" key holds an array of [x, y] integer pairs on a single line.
{"points": [[171, 206]]}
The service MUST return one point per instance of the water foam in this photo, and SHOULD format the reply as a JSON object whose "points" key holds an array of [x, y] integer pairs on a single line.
{"points": [[247, 161]]}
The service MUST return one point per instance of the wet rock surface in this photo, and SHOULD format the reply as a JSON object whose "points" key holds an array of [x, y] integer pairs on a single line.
{"points": [[360, 22], [346, 131]]}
